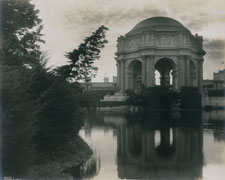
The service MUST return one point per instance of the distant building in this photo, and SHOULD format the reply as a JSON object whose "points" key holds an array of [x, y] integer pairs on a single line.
{"points": [[118, 96], [210, 84], [114, 79], [106, 79], [214, 91], [219, 75], [98, 86], [217, 83]]}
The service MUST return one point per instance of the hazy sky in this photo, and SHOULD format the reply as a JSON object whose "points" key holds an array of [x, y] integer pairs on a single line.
{"points": [[67, 22]]}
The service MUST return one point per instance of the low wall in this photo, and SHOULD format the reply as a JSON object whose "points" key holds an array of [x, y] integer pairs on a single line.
{"points": [[216, 102]]}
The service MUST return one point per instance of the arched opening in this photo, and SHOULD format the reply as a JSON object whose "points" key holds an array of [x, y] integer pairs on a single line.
{"points": [[135, 76], [192, 74], [165, 67], [157, 78]]}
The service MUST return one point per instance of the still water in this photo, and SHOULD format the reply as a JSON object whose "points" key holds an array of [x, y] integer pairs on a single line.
{"points": [[156, 145]]}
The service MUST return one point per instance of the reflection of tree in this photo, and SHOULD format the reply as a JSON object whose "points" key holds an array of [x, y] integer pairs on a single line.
{"points": [[65, 162], [91, 167]]}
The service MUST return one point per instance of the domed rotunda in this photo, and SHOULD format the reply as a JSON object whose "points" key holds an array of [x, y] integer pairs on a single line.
{"points": [[159, 45]]}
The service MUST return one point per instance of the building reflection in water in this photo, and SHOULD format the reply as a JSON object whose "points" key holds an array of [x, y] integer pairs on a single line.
{"points": [[215, 120], [159, 146]]}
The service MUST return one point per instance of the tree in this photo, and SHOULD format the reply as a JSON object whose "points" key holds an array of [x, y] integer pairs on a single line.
{"points": [[21, 32], [81, 60], [17, 117], [39, 110], [59, 117]]}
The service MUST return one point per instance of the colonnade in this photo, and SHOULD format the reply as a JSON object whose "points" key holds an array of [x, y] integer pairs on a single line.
{"points": [[185, 71]]}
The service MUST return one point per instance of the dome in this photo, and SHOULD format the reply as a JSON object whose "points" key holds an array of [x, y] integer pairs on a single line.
{"points": [[157, 23]]}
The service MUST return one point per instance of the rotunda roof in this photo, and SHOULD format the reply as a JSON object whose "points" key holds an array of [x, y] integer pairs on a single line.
{"points": [[157, 23]]}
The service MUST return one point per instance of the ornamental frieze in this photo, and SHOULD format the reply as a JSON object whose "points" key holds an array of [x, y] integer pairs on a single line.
{"points": [[133, 43], [165, 40]]}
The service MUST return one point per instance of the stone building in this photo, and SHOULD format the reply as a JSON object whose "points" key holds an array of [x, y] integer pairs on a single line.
{"points": [[97, 86], [159, 44], [210, 84], [217, 83], [220, 75]]}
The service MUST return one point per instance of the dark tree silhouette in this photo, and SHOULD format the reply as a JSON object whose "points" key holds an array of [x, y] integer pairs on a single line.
{"points": [[81, 60], [21, 32]]}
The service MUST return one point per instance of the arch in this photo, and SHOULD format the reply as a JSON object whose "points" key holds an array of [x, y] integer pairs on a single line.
{"points": [[166, 68], [135, 75]]}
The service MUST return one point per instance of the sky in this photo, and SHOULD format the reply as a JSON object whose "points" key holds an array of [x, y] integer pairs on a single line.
{"points": [[68, 22]]}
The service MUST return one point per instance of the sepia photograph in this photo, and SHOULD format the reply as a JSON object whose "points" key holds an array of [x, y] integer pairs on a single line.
{"points": [[112, 90]]}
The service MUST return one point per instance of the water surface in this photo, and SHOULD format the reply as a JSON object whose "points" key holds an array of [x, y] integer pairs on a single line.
{"points": [[157, 145]]}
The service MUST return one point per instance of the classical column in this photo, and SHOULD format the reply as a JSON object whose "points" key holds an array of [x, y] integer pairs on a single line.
{"points": [[197, 74], [175, 79], [200, 74], [181, 71], [143, 69], [150, 71], [122, 86], [193, 79], [187, 70], [118, 74]]}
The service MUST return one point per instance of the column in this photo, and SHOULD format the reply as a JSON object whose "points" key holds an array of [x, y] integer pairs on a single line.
{"points": [[200, 74], [126, 86], [150, 71], [175, 79], [197, 74], [143, 69], [166, 79], [118, 74], [187, 70], [122, 86], [181, 71]]}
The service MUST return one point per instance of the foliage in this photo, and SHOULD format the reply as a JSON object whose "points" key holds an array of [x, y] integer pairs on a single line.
{"points": [[20, 38], [18, 116], [40, 111], [136, 100], [89, 99], [160, 97], [81, 60], [129, 92], [21, 32], [59, 117]]}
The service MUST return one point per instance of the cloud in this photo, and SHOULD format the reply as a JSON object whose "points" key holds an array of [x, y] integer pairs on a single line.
{"points": [[215, 49], [215, 54], [114, 17], [66, 23]]}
